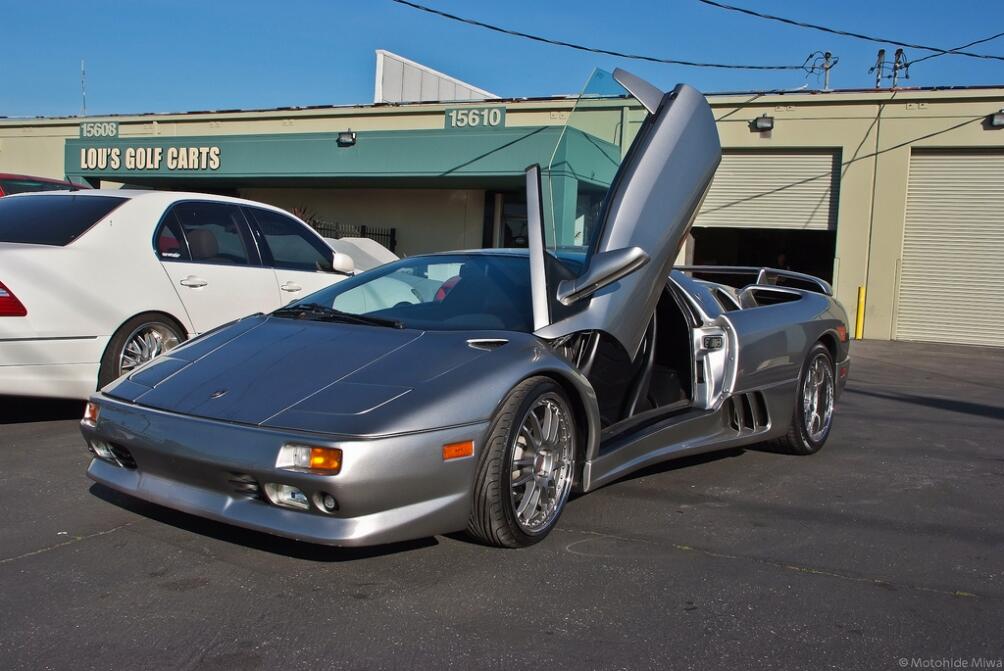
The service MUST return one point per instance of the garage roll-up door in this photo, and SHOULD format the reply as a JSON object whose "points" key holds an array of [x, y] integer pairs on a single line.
{"points": [[793, 190], [951, 285]]}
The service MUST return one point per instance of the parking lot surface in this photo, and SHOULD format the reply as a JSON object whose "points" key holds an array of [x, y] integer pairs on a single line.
{"points": [[888, 546]]}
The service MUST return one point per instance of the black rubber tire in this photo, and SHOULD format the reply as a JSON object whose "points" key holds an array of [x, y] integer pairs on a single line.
{"points": [[108, 370], [797, 440], [493, 520]]}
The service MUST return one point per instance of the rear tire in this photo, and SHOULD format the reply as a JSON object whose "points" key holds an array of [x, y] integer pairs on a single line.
{"points": [[812, 416], [139, 340], [526, 467]]}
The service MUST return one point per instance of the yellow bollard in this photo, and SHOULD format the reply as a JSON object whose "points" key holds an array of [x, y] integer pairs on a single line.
{"points": [[859, 318]]}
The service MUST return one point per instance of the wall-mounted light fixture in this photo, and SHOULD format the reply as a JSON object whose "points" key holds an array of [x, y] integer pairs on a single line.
{"points": [[346, 138], [996, 120], [762, 124]]}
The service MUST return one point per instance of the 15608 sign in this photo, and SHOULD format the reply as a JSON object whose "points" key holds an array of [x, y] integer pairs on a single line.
{"points": [[99, 129], [475, 117]]}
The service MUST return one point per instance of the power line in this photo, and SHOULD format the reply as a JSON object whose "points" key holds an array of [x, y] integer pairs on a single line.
{"points": [[608, 52], [845, 33], [956, 49]]}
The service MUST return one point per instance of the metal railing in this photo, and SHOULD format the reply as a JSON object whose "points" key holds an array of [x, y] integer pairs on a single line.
{"points": [[765, 276], [385, 236]]}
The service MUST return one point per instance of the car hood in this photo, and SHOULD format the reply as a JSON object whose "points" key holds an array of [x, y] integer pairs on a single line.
{"points": [[292, 373]]}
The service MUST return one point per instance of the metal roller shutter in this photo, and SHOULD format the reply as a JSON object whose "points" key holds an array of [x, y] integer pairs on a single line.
{"points": [[951, 285], [791, 190]]}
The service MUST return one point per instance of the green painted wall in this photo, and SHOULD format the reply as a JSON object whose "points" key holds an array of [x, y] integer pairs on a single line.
{"points": [[437, 153]]}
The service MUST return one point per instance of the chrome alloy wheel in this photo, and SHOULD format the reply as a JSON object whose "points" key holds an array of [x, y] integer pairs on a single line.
{"points": [[540, 475], [145, 343], [817, 398]]}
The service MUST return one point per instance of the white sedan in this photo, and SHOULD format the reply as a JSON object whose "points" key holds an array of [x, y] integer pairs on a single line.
{"points": [[94, 283]]}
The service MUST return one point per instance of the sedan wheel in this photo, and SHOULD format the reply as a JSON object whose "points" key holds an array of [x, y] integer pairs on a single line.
{"points": [[139, 340], [526, 467], [145, 343]]}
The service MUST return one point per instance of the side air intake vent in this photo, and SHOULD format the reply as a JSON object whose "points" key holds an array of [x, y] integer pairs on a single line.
{"points": [[245, 485], [123, 455], [747, 413]]}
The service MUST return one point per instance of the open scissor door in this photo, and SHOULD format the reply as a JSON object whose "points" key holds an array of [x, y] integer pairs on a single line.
{"points": [[614, 205]]}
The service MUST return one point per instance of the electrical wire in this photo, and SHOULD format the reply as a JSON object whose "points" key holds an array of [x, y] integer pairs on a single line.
{"points": [[956, 49], [845, 33], [608, 52]]}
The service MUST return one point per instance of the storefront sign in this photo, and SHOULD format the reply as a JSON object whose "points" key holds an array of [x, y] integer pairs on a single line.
{"points": [[171, 159], [475, 117], [441, 153]]}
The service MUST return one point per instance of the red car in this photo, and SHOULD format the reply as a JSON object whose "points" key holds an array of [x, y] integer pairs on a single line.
{"points": [[11, 184]]}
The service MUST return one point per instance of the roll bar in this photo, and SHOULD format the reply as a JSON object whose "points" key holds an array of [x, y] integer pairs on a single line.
{"points": [[763, 274]]}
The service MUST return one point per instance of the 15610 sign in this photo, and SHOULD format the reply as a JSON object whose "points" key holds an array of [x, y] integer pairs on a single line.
{"points": [[476, 117]]}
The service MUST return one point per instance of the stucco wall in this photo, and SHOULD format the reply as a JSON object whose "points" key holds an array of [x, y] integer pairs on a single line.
{"points": [[874, 132], [427, 220]]}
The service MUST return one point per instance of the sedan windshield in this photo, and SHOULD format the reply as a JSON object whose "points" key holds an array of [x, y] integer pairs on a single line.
{"points": [[455, 292]]}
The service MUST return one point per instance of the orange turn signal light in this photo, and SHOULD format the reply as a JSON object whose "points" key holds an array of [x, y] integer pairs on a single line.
{"points": [[325, 459], [458, 450], [91, 412]]}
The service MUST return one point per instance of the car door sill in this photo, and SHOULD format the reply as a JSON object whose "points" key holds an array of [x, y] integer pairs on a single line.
{"points": [[609, 438], [689, 431]]}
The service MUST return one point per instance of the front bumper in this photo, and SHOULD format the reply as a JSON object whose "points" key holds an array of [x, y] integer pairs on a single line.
{"points": [[390, 488]]}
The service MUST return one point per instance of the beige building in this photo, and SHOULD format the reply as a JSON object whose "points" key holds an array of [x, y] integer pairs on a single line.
{"points": [[897, 192]]}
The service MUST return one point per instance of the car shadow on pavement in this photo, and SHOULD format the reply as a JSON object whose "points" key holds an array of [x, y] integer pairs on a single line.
{"points": [[248, 538], [952, 405], [23, 409]]}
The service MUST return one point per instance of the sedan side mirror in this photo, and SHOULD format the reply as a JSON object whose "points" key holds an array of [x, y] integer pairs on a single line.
{"points": [[342, 263], [604, 269]]}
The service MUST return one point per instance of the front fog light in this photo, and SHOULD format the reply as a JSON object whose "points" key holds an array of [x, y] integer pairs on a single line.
{"points": [[285, 495], [320, 460]]}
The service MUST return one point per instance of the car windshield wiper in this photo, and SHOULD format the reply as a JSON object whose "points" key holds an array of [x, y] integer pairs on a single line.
{"points": [[319, 312]]}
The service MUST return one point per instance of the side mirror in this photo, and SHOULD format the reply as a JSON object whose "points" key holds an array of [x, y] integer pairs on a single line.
{"points": [[342, 263], [604, 269]]}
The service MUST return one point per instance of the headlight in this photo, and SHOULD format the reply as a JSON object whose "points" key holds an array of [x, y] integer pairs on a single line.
{"points": [[309, 458]]}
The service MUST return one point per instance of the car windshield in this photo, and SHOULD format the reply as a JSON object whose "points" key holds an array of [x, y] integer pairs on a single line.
{"points": [[454, 292], [595, 138]]}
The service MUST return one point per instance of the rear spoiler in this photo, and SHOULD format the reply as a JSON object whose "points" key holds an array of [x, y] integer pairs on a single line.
{"points": [[764, 276]]}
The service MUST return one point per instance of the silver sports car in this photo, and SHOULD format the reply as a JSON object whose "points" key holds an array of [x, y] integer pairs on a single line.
{"points": [[475, 390]]}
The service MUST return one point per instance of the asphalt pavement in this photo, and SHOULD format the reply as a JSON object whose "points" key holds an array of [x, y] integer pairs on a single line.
{"points": [[883, 551]]}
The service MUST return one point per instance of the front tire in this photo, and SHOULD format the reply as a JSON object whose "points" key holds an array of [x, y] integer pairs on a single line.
{"points": [[526, 467], [813, 413], [139, 340]]}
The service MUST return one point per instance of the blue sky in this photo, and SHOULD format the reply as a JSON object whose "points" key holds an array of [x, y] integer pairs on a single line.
{"points": [[145, 56]]}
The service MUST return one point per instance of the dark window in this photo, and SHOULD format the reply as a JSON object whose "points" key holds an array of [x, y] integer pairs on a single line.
{"points": [[52, 220], [288, 245], [11, 186], [212, 231], [171, 241]]}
